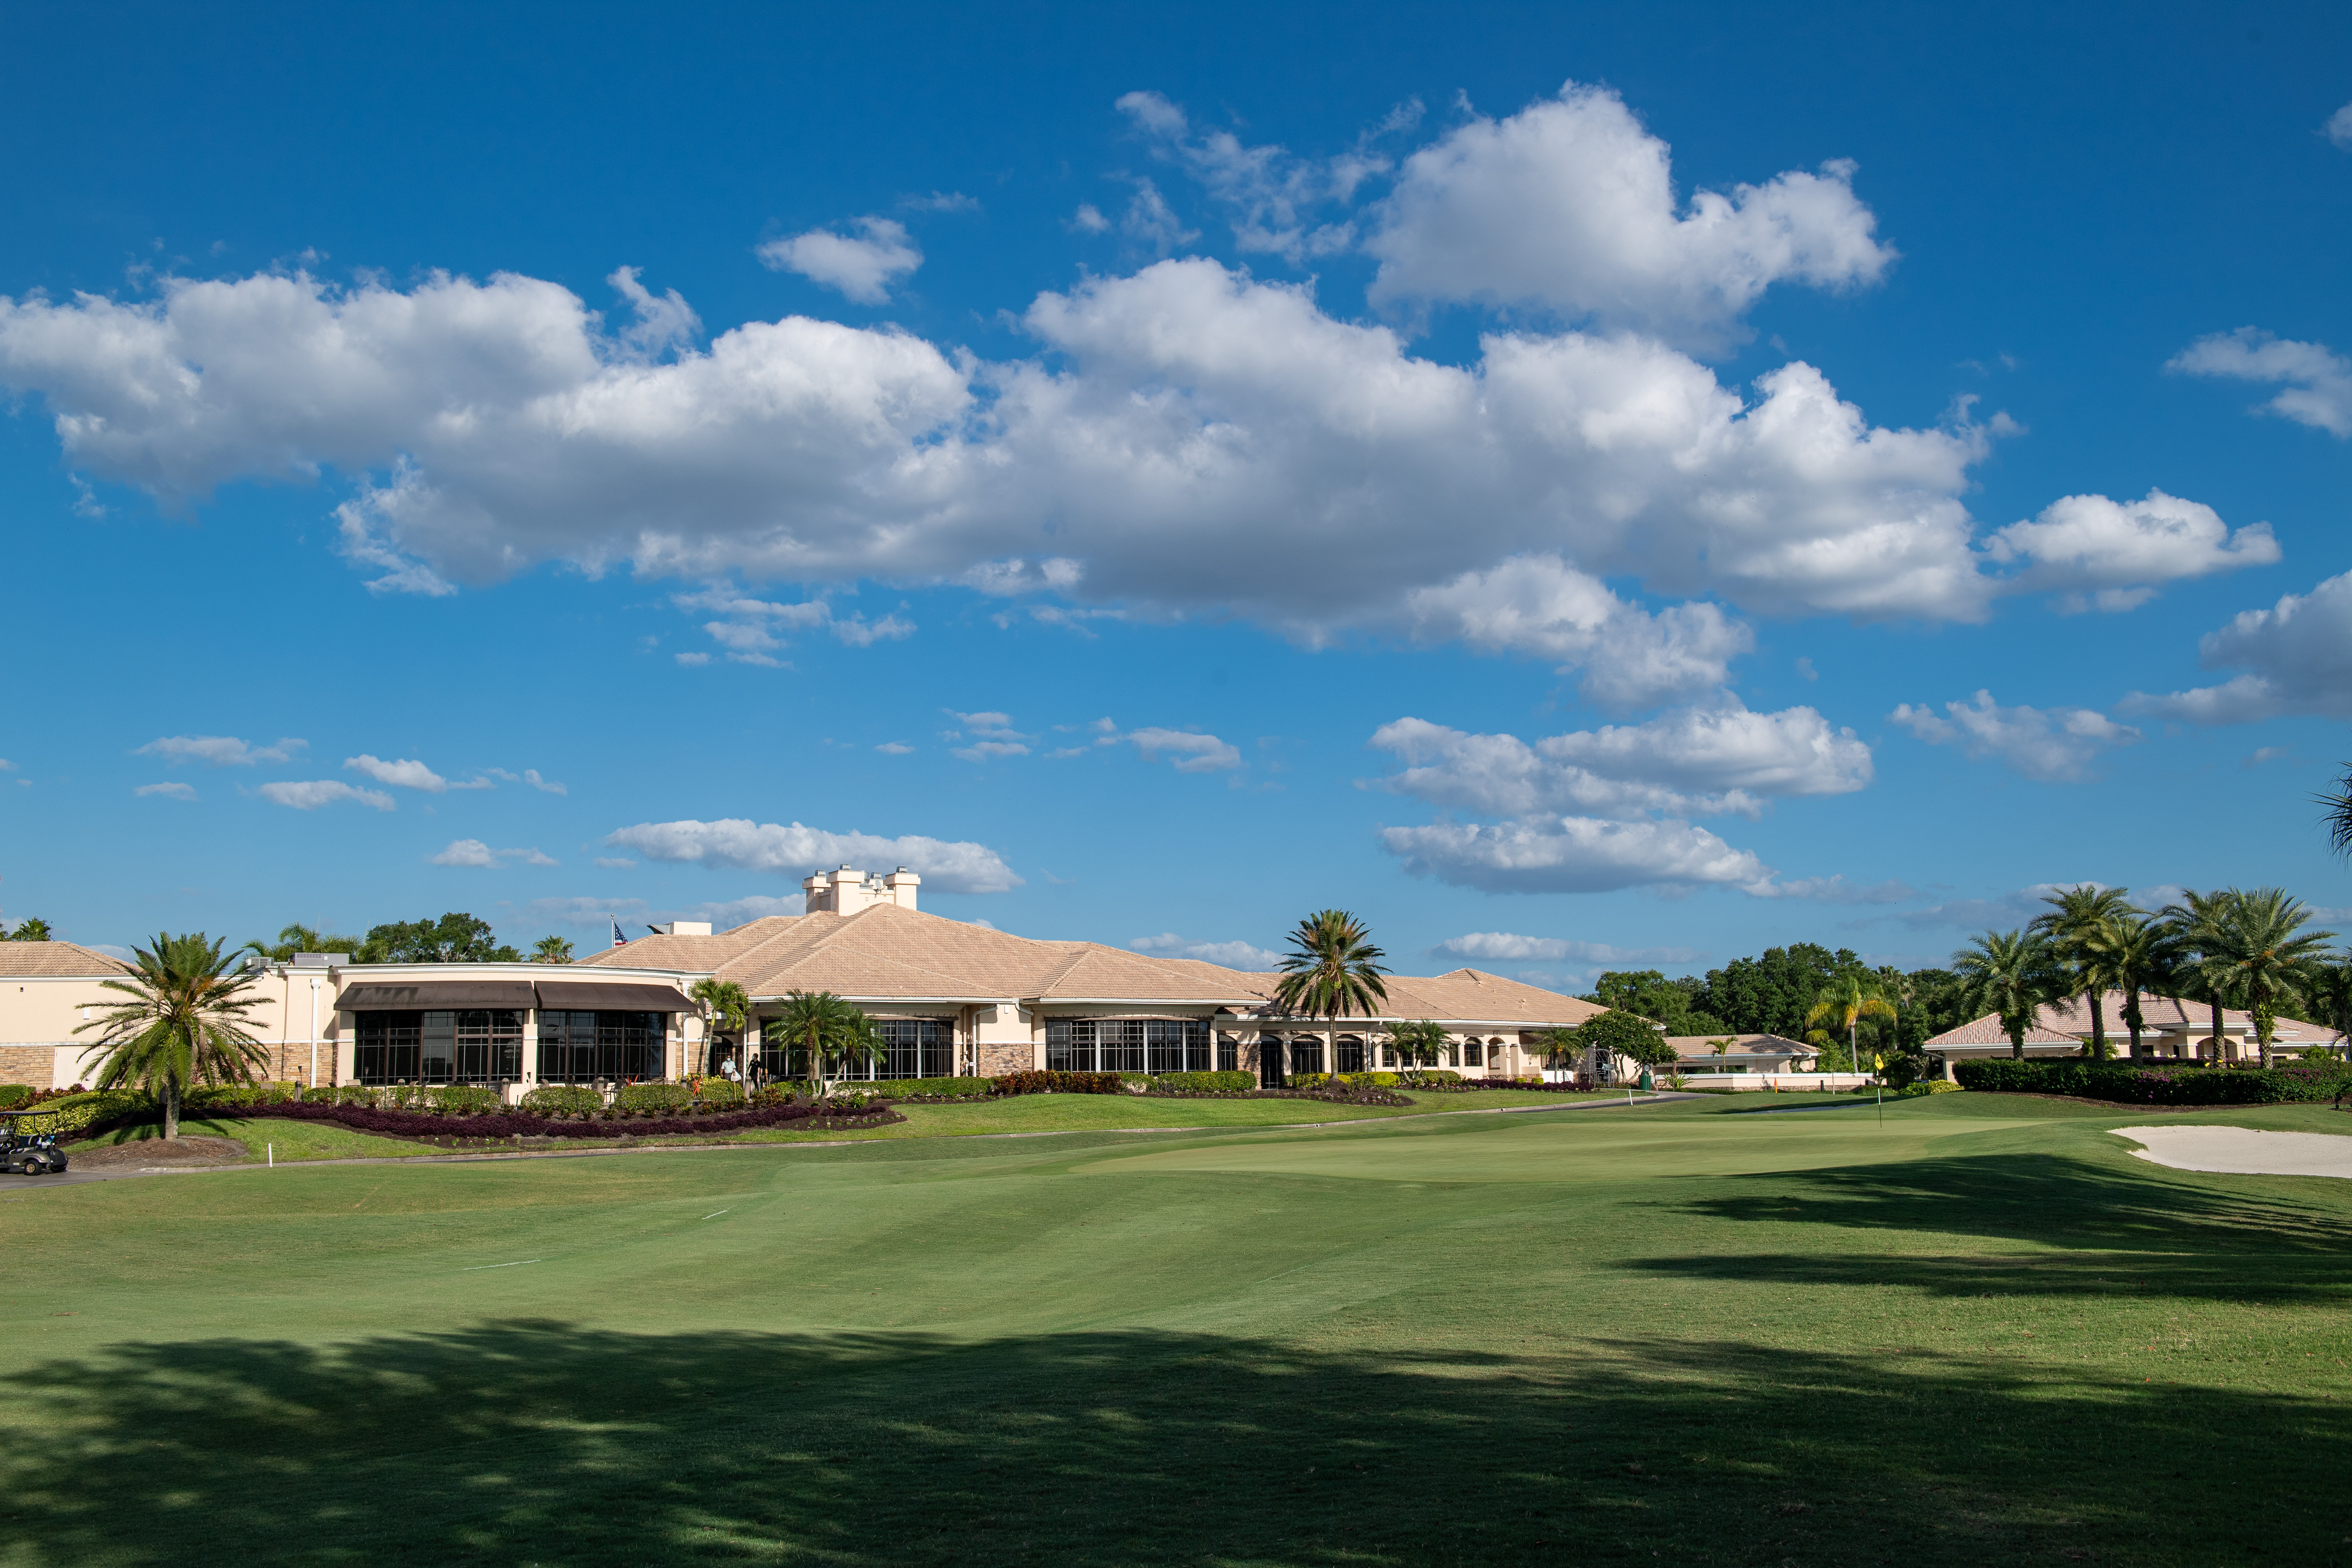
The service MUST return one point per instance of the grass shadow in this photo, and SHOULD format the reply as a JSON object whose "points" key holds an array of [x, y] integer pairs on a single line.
{"points": [[542, 1441]]}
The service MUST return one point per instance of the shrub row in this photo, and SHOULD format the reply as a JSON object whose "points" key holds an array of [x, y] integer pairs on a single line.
{"points": [[2137, 1084], [70, 1115], [1059, 1083], [13, 1095], [926, 1087], [522, 1125], [1206, 1082]]}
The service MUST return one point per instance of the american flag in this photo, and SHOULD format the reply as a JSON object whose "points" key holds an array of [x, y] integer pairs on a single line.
{"points": [[618, 939]]}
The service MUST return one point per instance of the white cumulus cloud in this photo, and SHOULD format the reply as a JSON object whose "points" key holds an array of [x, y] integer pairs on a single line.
{"points": [[474, 852], [1542, 606], [1712, 760], [2338, 127], [1508, 947], [1192, 752], [2296, 657], [1571, 205], [1234, 955], [220, 751], [861, 265], [170, 791], [310, 795], [2318, 381], [2056, 745], [408, 773], [741, 844], [2110, 555], [1572, 855]]}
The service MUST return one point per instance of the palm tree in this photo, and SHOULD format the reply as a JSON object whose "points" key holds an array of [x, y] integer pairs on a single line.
{"points": [[2137, 955], [2260, 944], [2338, 817], [1332, 970], [725, 1006], [825, 1027], [185, 1023], [553, 950], [2329, 995], [298, 938], [2192, 930], [2011, 973], [34, 929], [2076, 918], [1849, 1000]]}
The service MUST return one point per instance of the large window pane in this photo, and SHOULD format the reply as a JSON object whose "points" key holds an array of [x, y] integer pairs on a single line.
{"points": [[600, 1047]]}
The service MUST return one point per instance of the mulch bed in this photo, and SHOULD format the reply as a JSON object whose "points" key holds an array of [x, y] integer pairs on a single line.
{"points": [[139, 1153]]}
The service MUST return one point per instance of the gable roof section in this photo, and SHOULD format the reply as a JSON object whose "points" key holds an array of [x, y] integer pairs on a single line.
{"points": [[57, 961], [885, 952], [1702, 1046], [2068, 1023]]}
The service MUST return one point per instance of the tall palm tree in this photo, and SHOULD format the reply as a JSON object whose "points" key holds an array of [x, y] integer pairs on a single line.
{"points": [[2262, 944], [185, 1024], [2192, 929], [2077, 916], [1848, 1001], [826, 1028], [1332, 972], [553, 950], [726, 1009], [2338, 817], [2011, 973], [2138, 956], [2329, 993]]}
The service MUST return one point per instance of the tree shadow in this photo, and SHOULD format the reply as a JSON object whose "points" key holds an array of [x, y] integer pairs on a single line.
{"points": [[542, 1441], [2116, 1232]]}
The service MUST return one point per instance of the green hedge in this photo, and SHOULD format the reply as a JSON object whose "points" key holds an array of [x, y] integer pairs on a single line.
{"points": [[640, 1096], [1352, 1079], [75, 1113], [1206, 1082], [2139, 1084], [928, 1088], [575, 1097], [15, 1094]]}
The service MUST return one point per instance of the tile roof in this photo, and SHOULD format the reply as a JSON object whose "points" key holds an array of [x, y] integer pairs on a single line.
{"points": [[1702, 1046], [55, 960], [2068, 1023], [887, 952]]}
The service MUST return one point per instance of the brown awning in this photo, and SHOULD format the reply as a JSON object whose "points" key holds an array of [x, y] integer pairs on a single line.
{"points": [[423, 995], [585, 997]]}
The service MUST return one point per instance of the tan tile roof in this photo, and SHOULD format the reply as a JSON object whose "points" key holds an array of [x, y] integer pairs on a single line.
{"points": [[48, 960], [2068, 1023], [887, 952], [1701, 1047]]}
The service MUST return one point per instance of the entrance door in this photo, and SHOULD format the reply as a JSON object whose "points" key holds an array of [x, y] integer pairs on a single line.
{"points": [[1269, 1061]]}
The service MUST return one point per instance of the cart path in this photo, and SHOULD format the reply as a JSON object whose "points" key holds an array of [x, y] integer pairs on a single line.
{"points": [[18, 1183]]}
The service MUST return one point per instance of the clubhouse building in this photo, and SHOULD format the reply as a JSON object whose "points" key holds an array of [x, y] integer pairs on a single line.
{"points": [[950, 999], [2170, 1031]]}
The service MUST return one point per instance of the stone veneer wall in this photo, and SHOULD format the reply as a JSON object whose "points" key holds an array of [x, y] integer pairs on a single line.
{"points": [[998, 1057], [27, 1064]]}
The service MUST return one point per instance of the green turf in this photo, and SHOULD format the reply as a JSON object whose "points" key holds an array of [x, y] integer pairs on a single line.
{"points": [[1977, 1332], [273, 1138]]}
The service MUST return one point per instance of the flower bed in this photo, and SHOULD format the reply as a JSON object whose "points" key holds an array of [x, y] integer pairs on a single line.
{"points": [[502, 1125], [2129, 1083]]}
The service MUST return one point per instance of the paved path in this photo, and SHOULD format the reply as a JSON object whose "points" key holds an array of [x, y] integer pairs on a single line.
{"points": [[2242, 1151], [15, 1184]]}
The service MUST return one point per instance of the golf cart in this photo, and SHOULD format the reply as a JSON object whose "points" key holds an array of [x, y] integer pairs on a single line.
{"points": [[25, 1153]]}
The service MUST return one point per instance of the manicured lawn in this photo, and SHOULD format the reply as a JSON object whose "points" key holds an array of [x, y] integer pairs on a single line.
{"points": [[1980, 1332], [292, 1141]]}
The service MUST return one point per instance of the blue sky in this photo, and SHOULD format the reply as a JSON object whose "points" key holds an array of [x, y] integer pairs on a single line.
{"points": [[1551, 479]]}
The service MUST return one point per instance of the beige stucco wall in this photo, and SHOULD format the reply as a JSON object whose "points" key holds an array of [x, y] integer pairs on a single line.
{"points": [[38, 1015]]}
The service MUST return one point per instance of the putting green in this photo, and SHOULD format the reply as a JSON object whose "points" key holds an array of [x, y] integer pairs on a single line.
{"points": [[1588, 1146]]}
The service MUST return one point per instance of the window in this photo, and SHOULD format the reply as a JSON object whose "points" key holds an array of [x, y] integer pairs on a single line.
{"points": [[473, 1045], [1127, 1045], [911, 1047], [1229, 1054], [1351, 1053], [1471, 1055], [1306, 1054], [1269, 1061], [597, 1048]]}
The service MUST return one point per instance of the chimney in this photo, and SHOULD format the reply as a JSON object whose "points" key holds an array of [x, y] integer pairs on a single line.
{"points": [[849, 894], [901, 885], [820, 897]]}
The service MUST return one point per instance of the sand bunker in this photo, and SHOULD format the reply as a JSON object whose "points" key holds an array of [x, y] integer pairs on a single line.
{"points": [[2242, 1151]]}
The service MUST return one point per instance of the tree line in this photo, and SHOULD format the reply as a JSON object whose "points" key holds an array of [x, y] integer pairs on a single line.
{"points": [[454, 938], [2255, 951]]}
